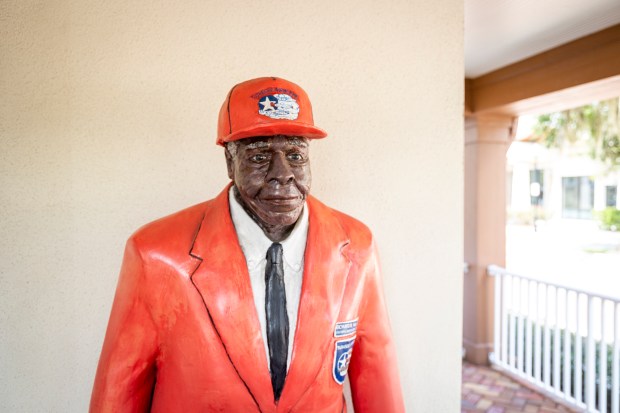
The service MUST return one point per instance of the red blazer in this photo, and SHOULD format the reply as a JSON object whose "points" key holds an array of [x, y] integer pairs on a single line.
{"points": [[184, 335]]}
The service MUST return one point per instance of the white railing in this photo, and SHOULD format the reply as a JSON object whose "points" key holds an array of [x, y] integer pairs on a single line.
{"points": [[564, 341]]}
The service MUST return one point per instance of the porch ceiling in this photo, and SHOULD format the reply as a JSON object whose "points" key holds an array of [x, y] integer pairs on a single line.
{"points": [[501, 32]]}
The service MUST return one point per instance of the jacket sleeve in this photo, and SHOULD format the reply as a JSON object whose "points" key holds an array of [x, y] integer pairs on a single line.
{"points": [[126, 373], [373, 372]]}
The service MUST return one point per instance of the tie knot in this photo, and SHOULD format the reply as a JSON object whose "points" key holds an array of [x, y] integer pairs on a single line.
{"points": [[274, 253]]}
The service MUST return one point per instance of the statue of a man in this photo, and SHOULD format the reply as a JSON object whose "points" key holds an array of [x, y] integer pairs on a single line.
{"points": [[260, 300]]}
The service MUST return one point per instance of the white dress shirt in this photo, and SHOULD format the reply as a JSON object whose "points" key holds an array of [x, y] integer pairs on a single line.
{"points": [[255, 244]]}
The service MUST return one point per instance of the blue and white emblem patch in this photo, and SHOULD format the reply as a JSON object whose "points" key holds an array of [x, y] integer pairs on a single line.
{"points": [[342, 358], [345, 328], [278, 106]]}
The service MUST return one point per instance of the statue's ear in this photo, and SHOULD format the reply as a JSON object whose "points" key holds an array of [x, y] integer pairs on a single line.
{"points": [[229, 164]]}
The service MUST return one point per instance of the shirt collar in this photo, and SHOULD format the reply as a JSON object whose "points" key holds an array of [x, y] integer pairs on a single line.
{"points": [[254, 243]]}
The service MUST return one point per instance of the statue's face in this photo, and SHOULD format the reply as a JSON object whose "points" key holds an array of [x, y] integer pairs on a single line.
{"points": [[272, 176]]}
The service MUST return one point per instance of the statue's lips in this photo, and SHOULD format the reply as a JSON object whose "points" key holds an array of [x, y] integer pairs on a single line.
{"points": [[287, 202]]}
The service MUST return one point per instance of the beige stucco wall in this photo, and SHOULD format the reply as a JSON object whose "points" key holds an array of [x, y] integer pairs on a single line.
{"points": [[107, 120]]}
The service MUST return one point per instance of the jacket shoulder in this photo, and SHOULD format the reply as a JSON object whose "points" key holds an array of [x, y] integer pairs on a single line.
{"points": [[359, 234], [172, 232]]}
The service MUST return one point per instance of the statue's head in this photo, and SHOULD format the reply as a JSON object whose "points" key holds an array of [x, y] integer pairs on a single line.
{"points": [[266, 125]]}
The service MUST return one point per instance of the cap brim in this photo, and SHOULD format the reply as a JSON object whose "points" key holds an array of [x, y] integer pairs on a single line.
{"points": [[271, 129]]}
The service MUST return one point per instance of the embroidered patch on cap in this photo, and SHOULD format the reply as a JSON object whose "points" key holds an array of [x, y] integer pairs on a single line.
{"points": [[278, 106], [345, 328], [342, 358]]}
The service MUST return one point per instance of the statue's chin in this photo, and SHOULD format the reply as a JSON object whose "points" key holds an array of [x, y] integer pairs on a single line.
{"points": [[281, 218]]}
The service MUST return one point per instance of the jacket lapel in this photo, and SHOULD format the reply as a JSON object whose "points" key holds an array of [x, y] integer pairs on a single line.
{"points": [[223, 281], [324, 278]]}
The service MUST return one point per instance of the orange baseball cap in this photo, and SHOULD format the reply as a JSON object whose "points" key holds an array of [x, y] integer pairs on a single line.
{"points": [[266, 106]]}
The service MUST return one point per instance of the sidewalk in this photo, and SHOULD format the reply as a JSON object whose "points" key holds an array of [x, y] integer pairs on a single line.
{"points": [[572, 253], [487, 390]]}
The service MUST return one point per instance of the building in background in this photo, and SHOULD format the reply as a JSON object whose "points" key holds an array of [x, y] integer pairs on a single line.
{"points": [[552, 184]]}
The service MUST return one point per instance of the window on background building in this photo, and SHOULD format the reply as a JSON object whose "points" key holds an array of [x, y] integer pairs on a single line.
{"points": [[536, 187], [611, 194], [577, 197]]}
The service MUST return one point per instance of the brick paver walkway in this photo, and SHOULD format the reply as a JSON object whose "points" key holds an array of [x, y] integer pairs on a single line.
{"points": [[487, 390]]}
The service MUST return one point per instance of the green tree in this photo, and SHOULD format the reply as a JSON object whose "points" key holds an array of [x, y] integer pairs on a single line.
{"points": [[595, 126]]}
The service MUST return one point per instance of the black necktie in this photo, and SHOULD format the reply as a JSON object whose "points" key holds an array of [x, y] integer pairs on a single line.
{"points": [[277, 318]]}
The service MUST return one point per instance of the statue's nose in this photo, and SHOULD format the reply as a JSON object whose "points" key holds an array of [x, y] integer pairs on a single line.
{"points": [[279, 169]]}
